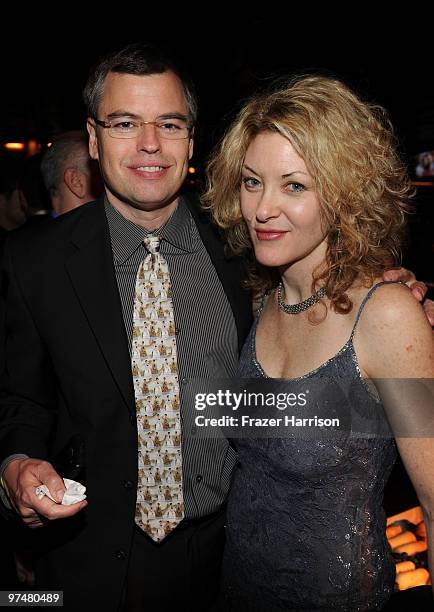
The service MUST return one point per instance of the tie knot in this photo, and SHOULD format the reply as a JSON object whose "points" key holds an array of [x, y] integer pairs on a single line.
{"points": [[152, 243]]}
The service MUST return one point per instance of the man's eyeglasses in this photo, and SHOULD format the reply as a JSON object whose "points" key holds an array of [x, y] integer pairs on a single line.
{"points": [[127, 127]]}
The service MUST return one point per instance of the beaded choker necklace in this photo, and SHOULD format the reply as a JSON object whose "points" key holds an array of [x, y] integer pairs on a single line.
{"points": [[301, 306]]}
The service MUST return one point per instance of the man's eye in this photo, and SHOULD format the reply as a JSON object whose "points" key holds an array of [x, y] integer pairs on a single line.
{"points": [[124, 125], [170, 127]]}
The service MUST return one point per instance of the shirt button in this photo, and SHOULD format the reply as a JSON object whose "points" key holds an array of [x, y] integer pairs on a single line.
{"points": [[133, 419], [199, 478], [121, 555], [127, 484], [177, 331], [184, 381], [193, 431]]}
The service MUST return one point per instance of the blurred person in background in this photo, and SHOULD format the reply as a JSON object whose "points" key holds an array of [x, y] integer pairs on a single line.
{"points": [[71, 177], [425, 166], [32, 185], [13, 204]]}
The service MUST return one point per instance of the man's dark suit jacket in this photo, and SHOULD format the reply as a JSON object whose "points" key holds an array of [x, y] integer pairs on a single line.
{"points": [[68, 372]]}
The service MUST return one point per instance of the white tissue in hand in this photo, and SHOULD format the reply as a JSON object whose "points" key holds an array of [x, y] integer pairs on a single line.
{"points": [[75, 492]]}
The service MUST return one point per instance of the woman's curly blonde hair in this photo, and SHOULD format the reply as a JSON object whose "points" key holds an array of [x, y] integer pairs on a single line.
{"points": [[351, 153]]}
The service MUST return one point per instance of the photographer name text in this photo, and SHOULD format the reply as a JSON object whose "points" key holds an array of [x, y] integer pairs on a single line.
{"points": [[247, 421]]}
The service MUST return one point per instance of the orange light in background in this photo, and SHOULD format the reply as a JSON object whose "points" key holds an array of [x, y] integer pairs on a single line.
{"points": [[410, 542], [33, 147], [14, 146], [192, 170], [422, 183]]}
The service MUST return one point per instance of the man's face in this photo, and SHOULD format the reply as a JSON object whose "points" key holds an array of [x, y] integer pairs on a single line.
{"points": [[147, 171]]}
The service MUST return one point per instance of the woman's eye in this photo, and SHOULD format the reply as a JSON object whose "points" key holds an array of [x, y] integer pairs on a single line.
{"points": [[250, 182], [295, 187]]}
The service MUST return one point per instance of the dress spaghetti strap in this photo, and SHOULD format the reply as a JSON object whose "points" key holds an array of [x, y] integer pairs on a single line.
{"points": [[368, 297]]}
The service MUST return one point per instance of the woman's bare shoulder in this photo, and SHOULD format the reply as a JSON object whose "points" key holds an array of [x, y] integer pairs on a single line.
{"points": [[394, 335], [392, 303]]}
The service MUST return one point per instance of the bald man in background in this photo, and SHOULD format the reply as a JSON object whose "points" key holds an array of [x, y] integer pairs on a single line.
{"points": [[71, 177]]}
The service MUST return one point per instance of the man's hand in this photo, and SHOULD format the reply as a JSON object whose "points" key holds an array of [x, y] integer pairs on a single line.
{"points": [[418, 288], [21, 478]]}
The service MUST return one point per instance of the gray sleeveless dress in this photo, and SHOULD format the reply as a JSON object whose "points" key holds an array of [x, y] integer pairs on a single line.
{"points": [[305, 526]]}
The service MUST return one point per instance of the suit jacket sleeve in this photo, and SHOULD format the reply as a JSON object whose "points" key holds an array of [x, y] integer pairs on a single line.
{"points": [[28, 393]]}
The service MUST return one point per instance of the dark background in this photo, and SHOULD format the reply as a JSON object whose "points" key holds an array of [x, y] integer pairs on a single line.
{"points": [[44, 60]]}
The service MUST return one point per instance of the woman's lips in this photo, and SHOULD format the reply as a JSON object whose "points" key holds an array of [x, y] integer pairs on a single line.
{"points": [[269, 234]]}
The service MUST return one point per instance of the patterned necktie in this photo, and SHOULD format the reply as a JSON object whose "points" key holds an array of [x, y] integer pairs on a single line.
{"points": [[159, 506]]}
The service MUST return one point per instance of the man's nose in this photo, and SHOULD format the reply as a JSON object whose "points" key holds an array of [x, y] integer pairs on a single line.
{"points": [[148, 139]]}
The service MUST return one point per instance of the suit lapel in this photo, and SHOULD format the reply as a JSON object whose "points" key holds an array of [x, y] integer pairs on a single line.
{"points": [[91, 271]]}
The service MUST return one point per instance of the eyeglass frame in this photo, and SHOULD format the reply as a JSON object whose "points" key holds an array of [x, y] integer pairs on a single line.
{"points": [[108, 125]]}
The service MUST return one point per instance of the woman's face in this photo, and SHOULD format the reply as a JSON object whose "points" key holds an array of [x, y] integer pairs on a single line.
{"points": [[279, 203]]}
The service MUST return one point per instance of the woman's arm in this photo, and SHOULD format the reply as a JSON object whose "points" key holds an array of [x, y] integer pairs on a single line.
{"points": [[395, 346]]}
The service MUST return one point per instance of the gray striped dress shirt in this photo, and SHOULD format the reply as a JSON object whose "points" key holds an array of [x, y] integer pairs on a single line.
{"points": [[206, 338]]}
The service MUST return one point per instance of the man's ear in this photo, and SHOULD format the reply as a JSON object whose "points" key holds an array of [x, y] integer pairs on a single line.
{"points": [[75, 180], [93, 139], [191, 145]]}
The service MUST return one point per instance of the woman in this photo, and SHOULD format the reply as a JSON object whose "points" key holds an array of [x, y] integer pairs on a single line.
{"points": [[308, 178]]}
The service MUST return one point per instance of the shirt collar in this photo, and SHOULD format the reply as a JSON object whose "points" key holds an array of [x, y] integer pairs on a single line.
{"points": [[126, 237]]}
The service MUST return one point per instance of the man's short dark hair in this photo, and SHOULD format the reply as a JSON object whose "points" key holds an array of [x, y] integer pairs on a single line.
{"points": [[138, 59]]}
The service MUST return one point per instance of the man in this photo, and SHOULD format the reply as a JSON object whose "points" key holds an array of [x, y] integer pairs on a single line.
{"points": [[71, 177], [72, 333]]}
